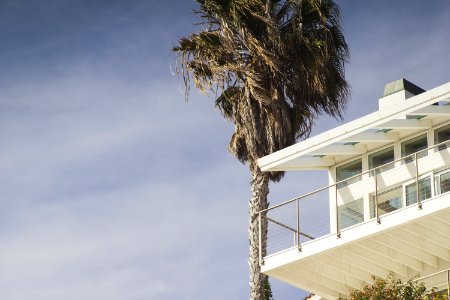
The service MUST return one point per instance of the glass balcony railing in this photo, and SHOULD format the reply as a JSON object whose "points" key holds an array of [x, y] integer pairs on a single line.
{"points": [[365, 197]]}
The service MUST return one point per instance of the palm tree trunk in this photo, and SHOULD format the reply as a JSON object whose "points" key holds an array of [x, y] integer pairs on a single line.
{"points": [[258, 202]]}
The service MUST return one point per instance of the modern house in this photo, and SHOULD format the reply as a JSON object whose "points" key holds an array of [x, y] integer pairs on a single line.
{"points": [[386, 209]]}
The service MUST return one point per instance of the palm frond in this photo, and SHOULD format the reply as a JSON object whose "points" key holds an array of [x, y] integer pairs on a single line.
{"points": [[275, 64]]}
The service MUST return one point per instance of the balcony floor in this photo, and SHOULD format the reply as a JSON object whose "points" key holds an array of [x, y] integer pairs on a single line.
{"points": [[406, 243]]}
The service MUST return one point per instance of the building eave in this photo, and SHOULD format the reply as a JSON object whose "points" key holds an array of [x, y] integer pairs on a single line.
{"points": [[421, 104]]}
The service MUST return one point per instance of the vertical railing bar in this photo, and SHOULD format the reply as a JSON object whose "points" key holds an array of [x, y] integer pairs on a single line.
{"points": [[448, 284], [299, 246], [261, 261], [377, 212], [419, 203], [338, 232]]}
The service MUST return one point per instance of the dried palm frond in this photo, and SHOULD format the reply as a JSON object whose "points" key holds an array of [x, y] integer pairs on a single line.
{"points": [[275, 64]]}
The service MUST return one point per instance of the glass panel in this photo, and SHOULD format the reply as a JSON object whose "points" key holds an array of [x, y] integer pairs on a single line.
{"points": [[445, 182], [381, 158], [351, 213], [348, 170], [388, 201], [441, 135], [424, 191], [414, 145]]}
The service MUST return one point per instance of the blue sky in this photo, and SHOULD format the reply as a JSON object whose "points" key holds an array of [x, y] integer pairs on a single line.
{"points": [[112, 187]]}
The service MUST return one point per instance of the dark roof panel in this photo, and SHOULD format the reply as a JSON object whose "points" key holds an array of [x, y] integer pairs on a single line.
{"points": [[400, 85]]}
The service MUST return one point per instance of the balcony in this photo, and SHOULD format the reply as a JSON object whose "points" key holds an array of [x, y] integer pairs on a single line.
{"points": [[393, 219]]}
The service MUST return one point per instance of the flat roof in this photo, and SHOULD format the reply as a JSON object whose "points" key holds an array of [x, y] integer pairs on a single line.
{"points": [[364, 134]]}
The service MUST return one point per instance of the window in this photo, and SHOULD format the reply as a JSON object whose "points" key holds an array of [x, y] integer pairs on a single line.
{"points": [[349, 170], [381, 158], [414, 145], [424, 191], [388, 201], [442, 135], [442, 182], [351, 213]]}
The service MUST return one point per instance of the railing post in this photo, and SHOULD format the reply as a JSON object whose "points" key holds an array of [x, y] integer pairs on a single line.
{"points": [[261, 261], [338, 232], [299, 246], [377, 211], [448, 284], [419, 203]]}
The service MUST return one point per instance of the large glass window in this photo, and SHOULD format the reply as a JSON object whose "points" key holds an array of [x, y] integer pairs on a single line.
{"points": [[415, 145], [349, 170], [442, 135], [381, 158], [351, 213], [388, 201], [442, 182], [424, 191]]}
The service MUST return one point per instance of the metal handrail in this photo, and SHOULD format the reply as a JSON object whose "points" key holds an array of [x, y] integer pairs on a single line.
{"points": [[355, 176], [432, 275], [375, 171], [447, 272]]}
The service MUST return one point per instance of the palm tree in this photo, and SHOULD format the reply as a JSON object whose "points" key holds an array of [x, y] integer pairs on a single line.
{"points": [[276, 65]]}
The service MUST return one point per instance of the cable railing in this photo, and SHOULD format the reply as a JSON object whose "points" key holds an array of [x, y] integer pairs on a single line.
{"points": [[358, 199]]}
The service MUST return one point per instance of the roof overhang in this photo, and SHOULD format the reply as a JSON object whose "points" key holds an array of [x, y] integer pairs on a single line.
{"points": [[363, 134]]}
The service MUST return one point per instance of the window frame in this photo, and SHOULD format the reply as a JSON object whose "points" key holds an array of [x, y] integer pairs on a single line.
{"points": [[435, 142], [393, 146], [415, 136], [429, 175], [437, 181], [372, 212], [342, 184]]}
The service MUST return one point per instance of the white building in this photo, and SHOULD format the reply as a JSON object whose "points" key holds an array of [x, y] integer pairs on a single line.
{"points": [[387, 207]]}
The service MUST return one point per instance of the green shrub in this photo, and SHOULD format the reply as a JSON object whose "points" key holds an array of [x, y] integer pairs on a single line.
{"points": [[395, 289]]}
